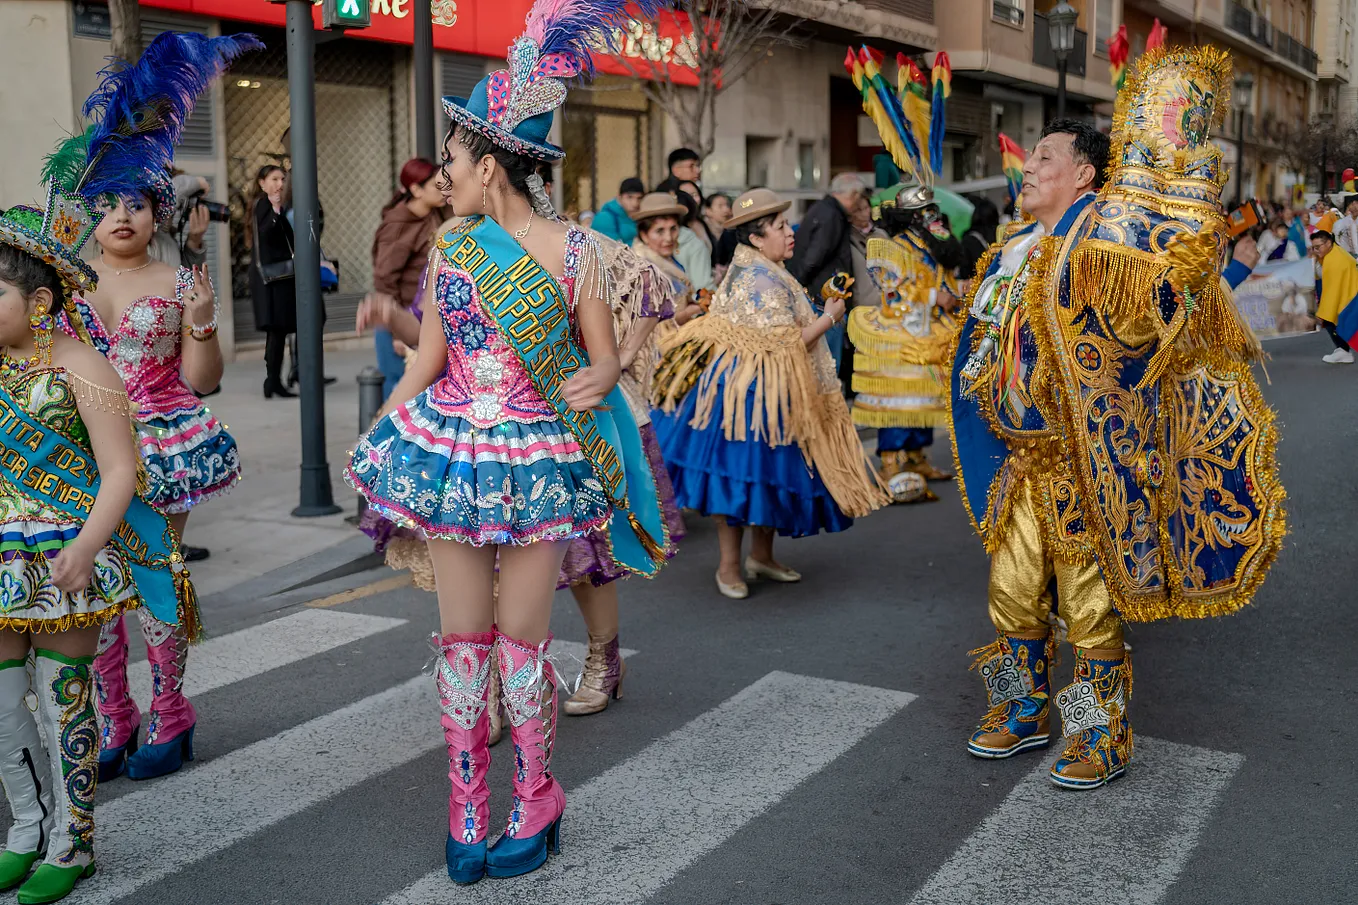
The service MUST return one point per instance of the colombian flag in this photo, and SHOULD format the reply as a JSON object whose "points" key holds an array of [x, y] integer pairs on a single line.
{"points": [[1011, 159], [942, 77], [1117, 57], [1159, 34]]}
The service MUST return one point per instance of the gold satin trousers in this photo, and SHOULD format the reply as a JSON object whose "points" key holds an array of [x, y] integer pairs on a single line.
{"points": [[1021, 572]]}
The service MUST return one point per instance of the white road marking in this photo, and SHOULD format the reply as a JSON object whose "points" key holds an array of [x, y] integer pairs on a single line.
{"points": [[689, 792], [1127, 842], [250, 652]]}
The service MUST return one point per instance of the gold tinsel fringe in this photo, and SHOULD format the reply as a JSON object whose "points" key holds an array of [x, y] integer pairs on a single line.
{"points": [[877, 385], [864, 417], [189, 615], [891, 342]]}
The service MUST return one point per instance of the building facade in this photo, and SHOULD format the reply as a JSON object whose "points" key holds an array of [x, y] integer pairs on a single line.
{"points": [[1273, 41]]}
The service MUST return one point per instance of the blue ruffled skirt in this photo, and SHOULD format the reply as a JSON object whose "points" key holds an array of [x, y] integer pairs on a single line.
{"points": [[514, 483], [189, 458], [747, 481]]}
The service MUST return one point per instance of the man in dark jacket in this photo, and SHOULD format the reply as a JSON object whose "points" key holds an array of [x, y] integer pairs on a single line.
{"points": [[822, 248]]}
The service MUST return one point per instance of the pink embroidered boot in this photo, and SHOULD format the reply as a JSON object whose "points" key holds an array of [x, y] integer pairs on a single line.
{"points": [[119, 718], [528, 685], [169, 736], [463, 670]]}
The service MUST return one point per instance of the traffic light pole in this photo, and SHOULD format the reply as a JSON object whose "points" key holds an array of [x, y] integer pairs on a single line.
{"points": [[317, 497], [426, 140]]}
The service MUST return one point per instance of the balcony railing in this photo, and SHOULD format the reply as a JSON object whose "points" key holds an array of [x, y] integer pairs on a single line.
{"points": [[1262, 32], [1004, 11], [1042, 48], [1289, 48]]}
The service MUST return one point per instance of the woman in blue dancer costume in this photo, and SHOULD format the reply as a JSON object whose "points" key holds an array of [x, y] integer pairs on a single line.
{"points": [[761, 435], [507, 438]]}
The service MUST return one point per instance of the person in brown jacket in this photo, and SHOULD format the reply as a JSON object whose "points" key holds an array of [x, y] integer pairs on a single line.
{"points": [[400, 250]]}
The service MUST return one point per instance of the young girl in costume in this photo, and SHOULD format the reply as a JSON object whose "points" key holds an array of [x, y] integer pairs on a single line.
{"points": [[508, 436], [77, 546], [757, 401], [157, 325]]}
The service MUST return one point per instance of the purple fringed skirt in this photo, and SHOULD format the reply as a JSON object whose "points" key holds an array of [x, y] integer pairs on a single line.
{"points": [[588, 559]]}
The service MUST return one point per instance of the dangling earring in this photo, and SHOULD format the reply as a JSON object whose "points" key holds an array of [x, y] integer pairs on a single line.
{"points": [[42, 325], [483, 196]]}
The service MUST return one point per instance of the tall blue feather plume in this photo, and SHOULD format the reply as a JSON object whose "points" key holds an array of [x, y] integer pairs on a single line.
{"points": [[139, 110]]}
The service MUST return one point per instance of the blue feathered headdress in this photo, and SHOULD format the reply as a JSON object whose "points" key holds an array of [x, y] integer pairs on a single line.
{"points": [[138, 113]]}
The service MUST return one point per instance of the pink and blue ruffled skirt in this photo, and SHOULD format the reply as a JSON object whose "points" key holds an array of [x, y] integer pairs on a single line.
{"points": [[439, 473], [189, 457]]}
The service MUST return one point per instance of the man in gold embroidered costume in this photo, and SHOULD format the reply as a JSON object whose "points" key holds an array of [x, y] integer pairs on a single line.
{"points": [[1113, 448], [901, 348]]}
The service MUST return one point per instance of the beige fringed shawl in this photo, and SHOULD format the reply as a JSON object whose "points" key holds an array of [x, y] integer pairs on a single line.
{"points": [[752, 339], [640, 290]]}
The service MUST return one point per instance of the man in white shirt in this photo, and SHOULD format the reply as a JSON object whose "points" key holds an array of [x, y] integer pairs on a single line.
{"points": [[1346, 229]]}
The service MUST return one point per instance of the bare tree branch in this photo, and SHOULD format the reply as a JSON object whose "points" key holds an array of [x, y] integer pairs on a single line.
{"points": [[723, 40]]}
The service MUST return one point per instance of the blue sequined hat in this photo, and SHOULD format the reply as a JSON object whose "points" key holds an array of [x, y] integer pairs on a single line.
{"points": [[514, 107]]}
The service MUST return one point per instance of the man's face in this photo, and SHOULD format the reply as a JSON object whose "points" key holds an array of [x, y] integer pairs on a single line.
{"points": [[687, 170], [631, 202], [1052, 179], [1352, 209], [1320, 247]]}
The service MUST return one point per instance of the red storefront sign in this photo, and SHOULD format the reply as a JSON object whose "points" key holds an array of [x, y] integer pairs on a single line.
{"points": [[482, 27]]}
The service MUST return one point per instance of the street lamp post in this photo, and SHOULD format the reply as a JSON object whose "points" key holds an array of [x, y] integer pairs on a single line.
{"points": [[425, 139], [1061, 20], [317, 497], [1242, 92]]}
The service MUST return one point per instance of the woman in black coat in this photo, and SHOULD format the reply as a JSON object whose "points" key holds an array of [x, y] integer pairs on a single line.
{"points": [[275, 301]]}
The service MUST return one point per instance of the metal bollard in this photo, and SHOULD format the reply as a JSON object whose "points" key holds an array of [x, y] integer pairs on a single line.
{"points": [[370, 381]]}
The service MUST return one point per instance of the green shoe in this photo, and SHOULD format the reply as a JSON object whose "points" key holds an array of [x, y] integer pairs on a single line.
{"points": [[50, 883], [14, 866]]}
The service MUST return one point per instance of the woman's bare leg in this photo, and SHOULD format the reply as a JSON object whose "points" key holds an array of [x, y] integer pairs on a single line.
{"points": [[528, 577], [761, 546], [465, 576], [599, 607], [729, 537]]}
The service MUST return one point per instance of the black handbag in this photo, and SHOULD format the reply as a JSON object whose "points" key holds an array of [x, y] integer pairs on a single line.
{"points": [[277, 271]]}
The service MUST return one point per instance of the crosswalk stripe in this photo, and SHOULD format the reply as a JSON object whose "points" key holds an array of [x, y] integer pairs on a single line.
{"points": [[1060, 842], [147, 835], [691, 790], [150, 834], [252, 651]]}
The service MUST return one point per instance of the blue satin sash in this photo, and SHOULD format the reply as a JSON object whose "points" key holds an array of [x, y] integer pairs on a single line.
{"points": [[529, 308], [42, 464]]}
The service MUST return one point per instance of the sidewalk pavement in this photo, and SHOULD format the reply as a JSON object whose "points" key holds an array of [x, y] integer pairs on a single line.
{"points": [[251, 531]]}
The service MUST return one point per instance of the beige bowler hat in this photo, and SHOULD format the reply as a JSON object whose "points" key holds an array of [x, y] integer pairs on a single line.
{"points": [[754, 204], [659, 204]]}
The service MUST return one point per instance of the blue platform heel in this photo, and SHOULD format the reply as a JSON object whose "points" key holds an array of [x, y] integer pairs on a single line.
{"points": [[511, 857], [466, 863], [113, 761], [161, 759]]}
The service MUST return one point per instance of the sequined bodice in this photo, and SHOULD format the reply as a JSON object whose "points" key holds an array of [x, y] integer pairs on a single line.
{"points": [[145, 349], [484, 381]]}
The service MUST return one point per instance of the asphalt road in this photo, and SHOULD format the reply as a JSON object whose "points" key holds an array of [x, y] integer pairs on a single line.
{"points": [[803, 746]]}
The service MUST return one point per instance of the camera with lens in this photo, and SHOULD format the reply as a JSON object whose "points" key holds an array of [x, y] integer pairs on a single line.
{"points": [[216, 211]]}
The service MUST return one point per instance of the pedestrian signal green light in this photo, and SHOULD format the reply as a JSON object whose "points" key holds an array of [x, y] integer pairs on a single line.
{"points": [[346, 14]]}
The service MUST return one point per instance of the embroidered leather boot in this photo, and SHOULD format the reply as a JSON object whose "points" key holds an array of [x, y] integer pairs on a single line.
{"points": [[169, 734], [464, 667], [917, 460], [24, 774], [1094, 717], [529, 686], [1018, 690], [66, 708], [119, 718], [601, 680]]}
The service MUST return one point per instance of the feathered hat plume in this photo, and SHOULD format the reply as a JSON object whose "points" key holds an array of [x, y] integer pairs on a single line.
{"points": [[138, 114]]}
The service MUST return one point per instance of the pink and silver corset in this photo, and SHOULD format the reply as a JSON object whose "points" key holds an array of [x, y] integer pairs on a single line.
{"points": [[484, 382]]}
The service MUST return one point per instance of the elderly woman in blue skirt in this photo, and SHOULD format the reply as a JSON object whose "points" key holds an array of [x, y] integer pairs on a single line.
{"points": [[761, 435]]}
